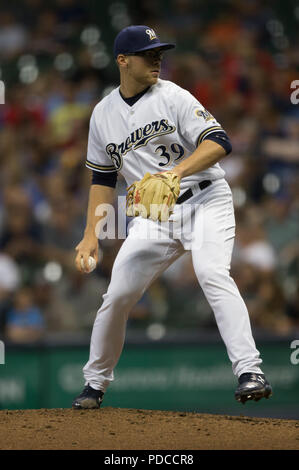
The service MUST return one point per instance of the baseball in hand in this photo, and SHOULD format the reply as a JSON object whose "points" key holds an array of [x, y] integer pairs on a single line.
{"points": [[91, 264]]}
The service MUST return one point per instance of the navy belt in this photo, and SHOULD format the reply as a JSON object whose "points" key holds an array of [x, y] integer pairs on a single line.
{"points": [[202, 185]]}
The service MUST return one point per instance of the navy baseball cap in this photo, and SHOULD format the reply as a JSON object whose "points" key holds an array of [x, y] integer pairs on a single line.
{"points": [[136, 39]]}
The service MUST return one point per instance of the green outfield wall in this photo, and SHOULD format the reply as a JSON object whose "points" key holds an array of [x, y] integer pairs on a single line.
{"points": [[184, 377]]}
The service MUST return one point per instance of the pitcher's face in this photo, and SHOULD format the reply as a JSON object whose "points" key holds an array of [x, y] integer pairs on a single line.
{"points": [[145, 67]]}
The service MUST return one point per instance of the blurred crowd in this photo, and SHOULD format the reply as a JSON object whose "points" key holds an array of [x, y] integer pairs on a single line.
{"points": [[239, 59]]}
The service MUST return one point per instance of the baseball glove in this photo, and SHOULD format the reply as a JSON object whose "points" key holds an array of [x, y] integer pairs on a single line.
{"points": [[154, 196]]}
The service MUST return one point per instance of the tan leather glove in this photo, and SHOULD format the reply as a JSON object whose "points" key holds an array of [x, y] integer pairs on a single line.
{"points": [[154, 196]]}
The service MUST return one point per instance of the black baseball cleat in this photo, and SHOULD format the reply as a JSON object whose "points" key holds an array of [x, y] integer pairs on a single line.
{"points": [[88, 398], [252, 387]]}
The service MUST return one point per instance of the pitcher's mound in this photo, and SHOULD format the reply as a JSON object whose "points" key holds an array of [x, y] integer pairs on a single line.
{"points": [[129, 429]]}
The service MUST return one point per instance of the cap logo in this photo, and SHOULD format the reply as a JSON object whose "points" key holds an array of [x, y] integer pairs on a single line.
{"points": [[151, 33]]}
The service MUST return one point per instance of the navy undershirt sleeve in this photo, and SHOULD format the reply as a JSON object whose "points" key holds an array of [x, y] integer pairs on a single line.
{"points": [[104, 179], [221, 138]]}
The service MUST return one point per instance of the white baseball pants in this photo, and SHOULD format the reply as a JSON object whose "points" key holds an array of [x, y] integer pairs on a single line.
{"points": [[207, 228]]}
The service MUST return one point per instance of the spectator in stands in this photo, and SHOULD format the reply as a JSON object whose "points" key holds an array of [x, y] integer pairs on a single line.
{"points": [[24, 322], [21, 234], [13, 36]]}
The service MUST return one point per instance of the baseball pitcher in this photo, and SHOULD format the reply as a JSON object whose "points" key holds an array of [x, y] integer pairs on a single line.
{"points": [[167, 147]]}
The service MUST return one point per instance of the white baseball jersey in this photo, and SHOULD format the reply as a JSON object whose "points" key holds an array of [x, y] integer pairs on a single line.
{"points": [[161, 129]]}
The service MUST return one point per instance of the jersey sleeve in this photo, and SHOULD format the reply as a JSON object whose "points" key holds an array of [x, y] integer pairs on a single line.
{"points": [[97, 159], [195, 122]]}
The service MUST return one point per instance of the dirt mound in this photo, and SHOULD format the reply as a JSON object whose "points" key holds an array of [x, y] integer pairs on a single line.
{"points": [[128, 429]]}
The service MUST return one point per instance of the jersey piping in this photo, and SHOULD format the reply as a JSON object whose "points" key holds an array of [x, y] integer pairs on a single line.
{"points": [[93, 166]]}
